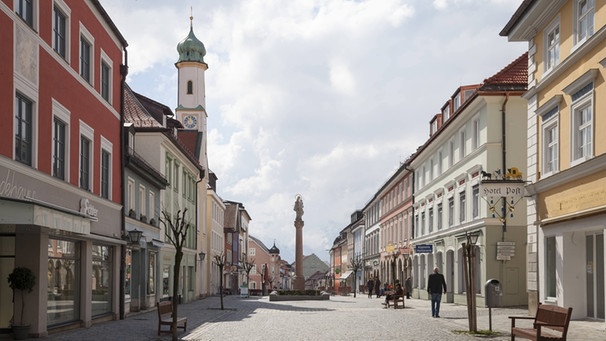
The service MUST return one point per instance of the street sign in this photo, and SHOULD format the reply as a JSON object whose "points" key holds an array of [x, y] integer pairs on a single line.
{"points": [[506, 250], [424, 248], [502, 188]]}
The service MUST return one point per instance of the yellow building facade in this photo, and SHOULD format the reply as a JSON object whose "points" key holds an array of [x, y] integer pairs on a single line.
{"points": [[566, 151]]}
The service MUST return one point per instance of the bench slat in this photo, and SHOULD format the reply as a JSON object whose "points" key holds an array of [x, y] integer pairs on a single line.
{"points": [[547, 319], [165, 317]]}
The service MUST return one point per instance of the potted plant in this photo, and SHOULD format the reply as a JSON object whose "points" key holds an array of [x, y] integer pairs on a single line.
{"points": [[21, 279]]}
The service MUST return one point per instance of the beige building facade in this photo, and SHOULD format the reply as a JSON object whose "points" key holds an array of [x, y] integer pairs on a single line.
{"points": [[566, 151]]}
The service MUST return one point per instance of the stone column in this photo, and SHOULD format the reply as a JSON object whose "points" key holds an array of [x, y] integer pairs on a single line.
{"points": [[299, 282], [299, 277]]}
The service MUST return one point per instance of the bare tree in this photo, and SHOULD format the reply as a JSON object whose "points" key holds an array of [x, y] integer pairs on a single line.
{"points": [[248, 265], [176, 231], [356, 264], [220, 261]]}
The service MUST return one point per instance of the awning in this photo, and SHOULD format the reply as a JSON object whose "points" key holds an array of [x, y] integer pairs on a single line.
{"points": [[346, 274]]}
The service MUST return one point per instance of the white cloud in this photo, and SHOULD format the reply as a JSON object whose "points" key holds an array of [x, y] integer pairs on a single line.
{"points": [[318, 97]]}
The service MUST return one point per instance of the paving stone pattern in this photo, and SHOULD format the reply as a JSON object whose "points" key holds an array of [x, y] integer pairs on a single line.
{"points": [[340, 318]]}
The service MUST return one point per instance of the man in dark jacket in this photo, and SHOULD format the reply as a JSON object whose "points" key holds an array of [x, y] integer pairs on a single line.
{"points": [[435, 284]]}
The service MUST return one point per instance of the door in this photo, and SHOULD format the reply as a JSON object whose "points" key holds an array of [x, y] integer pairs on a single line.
{"points": [[594, 250]]}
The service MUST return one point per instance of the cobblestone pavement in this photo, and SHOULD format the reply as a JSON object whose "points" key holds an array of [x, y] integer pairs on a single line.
{"points": [[340, 318]]}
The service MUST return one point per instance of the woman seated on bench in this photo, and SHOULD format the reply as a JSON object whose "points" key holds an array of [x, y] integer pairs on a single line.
{"points": [[396, 295]]}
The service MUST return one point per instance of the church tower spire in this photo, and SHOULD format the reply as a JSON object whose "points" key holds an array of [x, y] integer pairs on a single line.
{"points": [[191, 108]]}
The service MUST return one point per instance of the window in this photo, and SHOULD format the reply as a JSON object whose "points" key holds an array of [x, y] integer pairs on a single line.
{"points": [[25, 10], [59, 31], [476, 201], [584, 11], [462, 144], [169, 171], [190, 87], [176, 178], [450, 211], [102, 279], [550, 267], [152, 205], [105, 81], [440, 163], [59, 149], [64, 258], [446, 113], [105, 169], [451, 148], [252, 251], [85, 160], [131, 195], [550, 141], [85, 59], [462, 206], [475, 138], [422, 223], [439, 216], [582, 123], [552, 46], [151, 275], [431, 170], [430, 222], [142, 203], [456, 103], [23, 129]]}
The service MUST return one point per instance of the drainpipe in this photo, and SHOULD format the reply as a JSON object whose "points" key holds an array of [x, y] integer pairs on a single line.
{"points": [[123, 73], [504, 159]]}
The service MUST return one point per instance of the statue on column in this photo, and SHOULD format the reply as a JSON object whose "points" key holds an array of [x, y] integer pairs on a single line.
{"points": [[298, 207], [299, 280]]}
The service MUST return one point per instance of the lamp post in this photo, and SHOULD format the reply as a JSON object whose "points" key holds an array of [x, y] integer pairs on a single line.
{"points": [[469, 249]]}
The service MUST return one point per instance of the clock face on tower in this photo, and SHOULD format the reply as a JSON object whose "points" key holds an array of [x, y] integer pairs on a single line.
{"points": [[190, 121]]}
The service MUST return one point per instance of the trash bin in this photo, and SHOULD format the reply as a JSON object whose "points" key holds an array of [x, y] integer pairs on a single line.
{"points": [[494, 293]]}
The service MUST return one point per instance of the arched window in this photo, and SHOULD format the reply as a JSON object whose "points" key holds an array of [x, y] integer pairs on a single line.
{"points": [[190, 87]]}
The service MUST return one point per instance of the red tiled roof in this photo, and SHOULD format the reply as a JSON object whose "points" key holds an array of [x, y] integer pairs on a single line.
{"points": [[135, 113], [189, 140], [514, 74]]}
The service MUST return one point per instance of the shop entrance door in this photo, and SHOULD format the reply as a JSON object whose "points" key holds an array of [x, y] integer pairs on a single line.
{"points": [[594, 248]]}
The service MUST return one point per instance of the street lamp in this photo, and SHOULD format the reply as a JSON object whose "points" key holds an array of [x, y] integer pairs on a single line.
{"points": [[470, 278], [134, 236]]}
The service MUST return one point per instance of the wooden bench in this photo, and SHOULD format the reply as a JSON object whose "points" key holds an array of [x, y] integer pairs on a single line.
{"points": [[395, 299], [165, 317], [550, 323]]}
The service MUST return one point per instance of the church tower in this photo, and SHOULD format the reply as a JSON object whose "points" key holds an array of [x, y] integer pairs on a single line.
{"points": [[191, 108], [191, 112]]}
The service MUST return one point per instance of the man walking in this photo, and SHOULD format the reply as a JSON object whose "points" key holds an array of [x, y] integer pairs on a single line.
{"points": [[370, 285], [435, 284]]}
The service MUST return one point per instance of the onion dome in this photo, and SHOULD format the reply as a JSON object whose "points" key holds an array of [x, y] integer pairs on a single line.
{"points": [[191, 49], [274, 250]]}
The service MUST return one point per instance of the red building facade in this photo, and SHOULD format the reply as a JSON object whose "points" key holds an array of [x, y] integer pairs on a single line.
{"points": [[60, 161]]}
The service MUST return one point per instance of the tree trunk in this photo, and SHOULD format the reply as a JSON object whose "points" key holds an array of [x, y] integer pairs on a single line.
{"points": [[221, 286], [176, 271]]}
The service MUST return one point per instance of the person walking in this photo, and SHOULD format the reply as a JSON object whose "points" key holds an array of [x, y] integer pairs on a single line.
{"points": [[408, 286], [377, 287], [435, 284], [370, 285]]}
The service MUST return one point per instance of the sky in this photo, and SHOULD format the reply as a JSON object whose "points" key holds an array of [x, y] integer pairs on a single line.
{"points": [[322, 98]]}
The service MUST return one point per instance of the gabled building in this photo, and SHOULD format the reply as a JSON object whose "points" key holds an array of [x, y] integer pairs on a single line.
{"points": [[395, 222], [372, 238], [478, 130], [162, 149], [235, 230], [214, 239], [62, 70], [566, 151], [143, 186]]}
